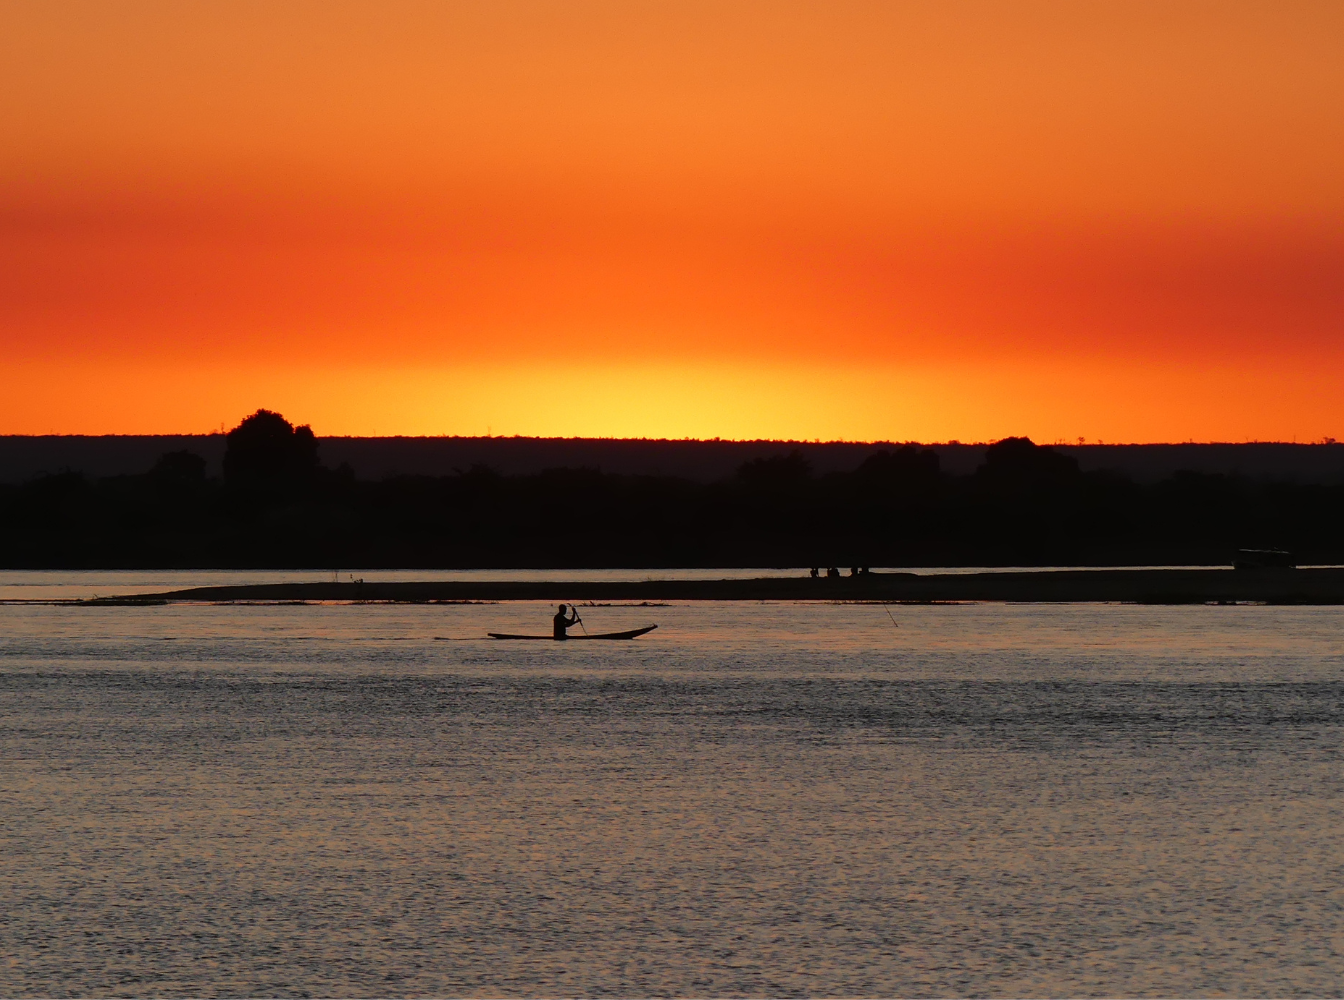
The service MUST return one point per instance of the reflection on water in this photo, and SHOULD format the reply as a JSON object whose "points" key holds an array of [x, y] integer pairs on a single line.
{"points": [[754, 799]]}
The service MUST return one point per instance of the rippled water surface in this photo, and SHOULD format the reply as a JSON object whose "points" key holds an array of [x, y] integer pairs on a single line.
{"points": [[761, 799]]}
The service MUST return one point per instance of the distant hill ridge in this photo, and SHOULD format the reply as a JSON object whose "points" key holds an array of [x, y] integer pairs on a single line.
{"points": [[25, 457]]}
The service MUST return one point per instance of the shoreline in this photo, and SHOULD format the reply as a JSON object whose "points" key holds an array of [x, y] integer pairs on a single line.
{"points": [[1140, 586]]}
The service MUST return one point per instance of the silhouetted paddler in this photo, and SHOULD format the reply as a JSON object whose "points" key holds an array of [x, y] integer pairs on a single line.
{"points": [[560, 622]]}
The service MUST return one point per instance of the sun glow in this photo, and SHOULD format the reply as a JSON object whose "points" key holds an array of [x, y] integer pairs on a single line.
{"points": [[932, 403], [852, 219]]}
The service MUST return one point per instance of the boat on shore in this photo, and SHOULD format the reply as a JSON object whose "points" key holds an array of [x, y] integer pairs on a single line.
{"points": [[1264, 559], [632, 634]]}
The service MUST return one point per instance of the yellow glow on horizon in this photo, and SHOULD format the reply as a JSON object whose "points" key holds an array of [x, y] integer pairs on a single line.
{"points": [[730, 401], [850, 219]]}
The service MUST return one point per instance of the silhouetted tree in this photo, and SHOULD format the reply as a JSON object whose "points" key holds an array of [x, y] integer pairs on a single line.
{"points": [[1019, 463], [778, 472], [906, 470], [266, 449]]}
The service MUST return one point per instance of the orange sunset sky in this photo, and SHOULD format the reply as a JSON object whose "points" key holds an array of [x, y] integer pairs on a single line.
{"points": [[864, 220]]}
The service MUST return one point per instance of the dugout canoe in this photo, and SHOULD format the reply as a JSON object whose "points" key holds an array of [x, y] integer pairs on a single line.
{"points": [[633, 633]]}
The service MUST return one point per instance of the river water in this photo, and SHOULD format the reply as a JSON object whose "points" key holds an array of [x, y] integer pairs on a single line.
{"points": [[42, 585], [755, 799]]}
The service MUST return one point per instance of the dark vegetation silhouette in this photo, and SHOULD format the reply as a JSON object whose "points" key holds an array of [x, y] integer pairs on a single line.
{"points": [[277, 505], [267, 451]]}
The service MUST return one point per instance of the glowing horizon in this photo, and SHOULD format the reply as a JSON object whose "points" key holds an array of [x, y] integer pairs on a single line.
{"points": [[848, 221]]}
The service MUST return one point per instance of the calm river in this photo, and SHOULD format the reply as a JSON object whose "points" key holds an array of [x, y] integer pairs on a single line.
{"points": [[755, 799]]}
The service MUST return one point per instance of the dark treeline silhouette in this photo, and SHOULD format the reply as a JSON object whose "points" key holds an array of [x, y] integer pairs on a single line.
{"points": [[25, 457], [277, 505]]}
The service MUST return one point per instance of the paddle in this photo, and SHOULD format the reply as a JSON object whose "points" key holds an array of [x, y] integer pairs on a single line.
{"points": [[579, 620]]}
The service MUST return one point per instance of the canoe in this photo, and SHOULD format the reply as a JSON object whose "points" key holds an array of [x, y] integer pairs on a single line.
{"points": [[574, 638]]}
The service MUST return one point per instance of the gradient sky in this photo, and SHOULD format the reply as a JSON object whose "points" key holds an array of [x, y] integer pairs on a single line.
{"points": [[865, 220]]}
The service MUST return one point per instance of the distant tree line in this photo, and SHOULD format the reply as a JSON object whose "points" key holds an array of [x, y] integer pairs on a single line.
{"points": [[276, 505]]}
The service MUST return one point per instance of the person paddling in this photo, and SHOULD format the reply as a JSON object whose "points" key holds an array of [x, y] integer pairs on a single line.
{"points": [[561, 622]]}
